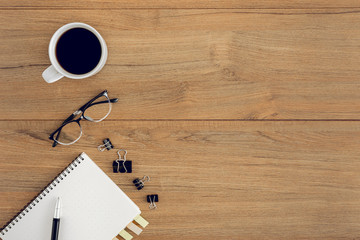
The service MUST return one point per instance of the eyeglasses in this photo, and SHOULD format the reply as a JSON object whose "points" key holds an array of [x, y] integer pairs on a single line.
{"points": [[96, 110]]}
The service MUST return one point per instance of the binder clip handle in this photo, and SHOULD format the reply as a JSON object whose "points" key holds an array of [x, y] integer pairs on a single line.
{"points": [[139, 183], [119, 154], [121, 159], [145, 179], [107, 145], [152, 199]]}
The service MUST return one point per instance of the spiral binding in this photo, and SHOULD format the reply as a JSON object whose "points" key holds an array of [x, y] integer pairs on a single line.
{"points": [[30, 205]]}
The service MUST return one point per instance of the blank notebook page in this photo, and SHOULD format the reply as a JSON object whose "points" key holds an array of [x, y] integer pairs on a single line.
{"points": [[93, 207]]}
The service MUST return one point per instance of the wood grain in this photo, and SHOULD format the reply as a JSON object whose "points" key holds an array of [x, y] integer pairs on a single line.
{"points": [[215, 179], [213, 95], [192, 64], [151, 4]]}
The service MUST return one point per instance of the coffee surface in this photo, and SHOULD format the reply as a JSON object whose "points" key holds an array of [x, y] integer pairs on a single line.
{"points": [[78, 51]]}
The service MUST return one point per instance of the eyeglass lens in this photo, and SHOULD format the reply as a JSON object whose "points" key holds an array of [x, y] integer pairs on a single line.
{"points": [[98, 110], [95, 112], [68, 134]]}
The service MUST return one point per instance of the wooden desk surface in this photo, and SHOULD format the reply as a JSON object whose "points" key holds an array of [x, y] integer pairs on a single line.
{"points": [[244, 113]]}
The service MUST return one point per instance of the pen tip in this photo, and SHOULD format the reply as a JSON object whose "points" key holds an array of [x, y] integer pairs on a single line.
{"points": [[58, 203], [57, 208]]}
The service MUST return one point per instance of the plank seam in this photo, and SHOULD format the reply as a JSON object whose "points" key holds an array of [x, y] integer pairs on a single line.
{"points": [[199, 120], [112, 8]]}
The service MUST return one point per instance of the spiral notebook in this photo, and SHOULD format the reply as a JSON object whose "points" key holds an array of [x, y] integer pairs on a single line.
{"points": [[93, 207]]}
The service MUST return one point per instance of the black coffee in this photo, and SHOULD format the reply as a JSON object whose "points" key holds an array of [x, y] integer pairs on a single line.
{"points": [[78, 51]]}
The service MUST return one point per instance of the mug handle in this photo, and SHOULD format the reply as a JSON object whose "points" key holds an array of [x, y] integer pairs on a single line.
{"points": [[50, 74]]}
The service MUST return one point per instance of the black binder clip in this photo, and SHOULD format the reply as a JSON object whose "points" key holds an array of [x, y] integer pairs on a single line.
{"points": [[121, 164], [152, 199], [139, 183], [107, 145]]}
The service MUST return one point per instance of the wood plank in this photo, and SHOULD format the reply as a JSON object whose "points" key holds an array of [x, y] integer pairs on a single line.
{"points": [[224, 179], [191, 64], [115, 4]]}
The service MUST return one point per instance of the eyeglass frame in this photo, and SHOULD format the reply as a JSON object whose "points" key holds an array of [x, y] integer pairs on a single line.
{"points": [[81, 111]]}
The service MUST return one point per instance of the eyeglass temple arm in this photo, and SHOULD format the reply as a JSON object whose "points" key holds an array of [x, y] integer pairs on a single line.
{"points": [[57, 137], [93, 99], [113, 100], [90, 103], [55, 143]]}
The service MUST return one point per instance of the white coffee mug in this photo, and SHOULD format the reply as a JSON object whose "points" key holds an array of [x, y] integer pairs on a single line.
{"points": [[55, 71]]}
